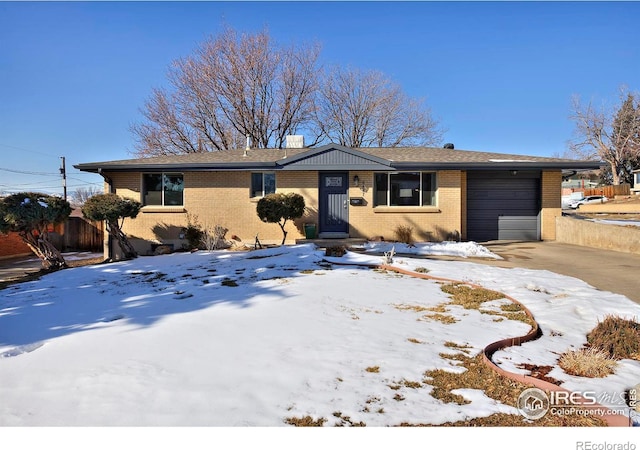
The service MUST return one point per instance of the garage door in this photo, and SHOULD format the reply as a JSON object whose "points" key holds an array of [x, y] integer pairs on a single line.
{"points": [[501, 205]]}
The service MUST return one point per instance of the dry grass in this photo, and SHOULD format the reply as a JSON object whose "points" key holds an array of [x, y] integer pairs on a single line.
{"points": [[306, 421], [442, 318], [229, 282], [479, 376], [588, 362], [414, 308], [441, 308], [618, 337], [519, 316], [373, 369], [469, 297], [473, 298], [462, 347], [404, 234], [346, 421], [439, 311]]}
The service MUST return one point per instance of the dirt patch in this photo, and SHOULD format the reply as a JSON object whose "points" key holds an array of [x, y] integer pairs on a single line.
{"points": [[540, 372]]}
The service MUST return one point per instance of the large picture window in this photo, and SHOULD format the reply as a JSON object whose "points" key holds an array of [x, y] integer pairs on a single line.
{"points": [[405, 189], [163, 189], [263, 183]]}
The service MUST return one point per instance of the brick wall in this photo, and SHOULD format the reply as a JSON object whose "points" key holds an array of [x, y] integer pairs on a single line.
{"points": [[11, 245], [551, 203], [429, 223], [223, 198], [215, 198]]}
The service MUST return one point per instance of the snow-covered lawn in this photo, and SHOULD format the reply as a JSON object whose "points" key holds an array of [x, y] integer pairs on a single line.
{"points": [[252, 338]]}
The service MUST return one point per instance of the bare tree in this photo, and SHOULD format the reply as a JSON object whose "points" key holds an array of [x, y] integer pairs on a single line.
{"points": [[232, 88], [609, 134], [82, 194], [366, 109]]}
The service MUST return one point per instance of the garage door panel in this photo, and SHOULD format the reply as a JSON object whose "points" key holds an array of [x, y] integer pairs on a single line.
{"points": [[518, 195], [503, 206]]}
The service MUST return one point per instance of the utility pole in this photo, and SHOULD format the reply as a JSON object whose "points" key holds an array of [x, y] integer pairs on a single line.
{"points": [[63, 172]]}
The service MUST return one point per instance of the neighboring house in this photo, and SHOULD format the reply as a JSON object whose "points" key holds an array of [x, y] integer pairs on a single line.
{"points": [[636, 182], [441, 193]]}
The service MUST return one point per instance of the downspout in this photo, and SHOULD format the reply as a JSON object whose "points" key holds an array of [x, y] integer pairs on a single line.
{"points": [[110, 190]]}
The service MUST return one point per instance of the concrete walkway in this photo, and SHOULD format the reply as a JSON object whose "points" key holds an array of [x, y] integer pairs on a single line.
{"points": [[603, 269]]}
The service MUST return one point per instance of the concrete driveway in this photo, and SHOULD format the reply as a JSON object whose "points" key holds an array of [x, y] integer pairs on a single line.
{"points": [[603, 269], [13, 268]]}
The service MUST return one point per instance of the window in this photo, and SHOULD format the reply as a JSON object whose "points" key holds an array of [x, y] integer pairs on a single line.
{"points": [[405, 189], [262, 183], [163, 189]]}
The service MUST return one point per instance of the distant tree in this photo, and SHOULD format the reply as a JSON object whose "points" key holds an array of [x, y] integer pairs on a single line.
{"points": [[113, 209], [366, 109], [232, 88], [30, 214], [82, 194], [626, 136], [279, 208], [609, 134]]}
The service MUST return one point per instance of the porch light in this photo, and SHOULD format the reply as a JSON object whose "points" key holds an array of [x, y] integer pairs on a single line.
{"points": [[356, 180]]}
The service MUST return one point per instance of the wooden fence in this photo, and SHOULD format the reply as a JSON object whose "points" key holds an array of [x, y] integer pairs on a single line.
{"points": [[609, 191], [83, 235]]}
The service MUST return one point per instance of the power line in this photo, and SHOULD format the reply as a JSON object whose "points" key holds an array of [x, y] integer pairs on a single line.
{"points": [[27, 184], [28, 172]]}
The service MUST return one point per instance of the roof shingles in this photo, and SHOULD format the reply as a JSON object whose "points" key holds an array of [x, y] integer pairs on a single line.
{"points": [[399, 156]]}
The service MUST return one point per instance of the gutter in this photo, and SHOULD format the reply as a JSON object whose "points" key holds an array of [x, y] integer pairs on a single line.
{"points": [[195, 167]]}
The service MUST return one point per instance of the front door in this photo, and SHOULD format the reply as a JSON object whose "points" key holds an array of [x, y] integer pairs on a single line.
{"points": [[334, 203]]}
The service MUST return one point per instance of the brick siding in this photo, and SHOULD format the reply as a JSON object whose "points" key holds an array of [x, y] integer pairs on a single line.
{"points": [[11, 245], [223, 198]]}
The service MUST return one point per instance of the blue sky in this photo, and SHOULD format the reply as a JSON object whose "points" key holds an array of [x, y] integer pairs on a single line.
{"points": [[498, 75]]}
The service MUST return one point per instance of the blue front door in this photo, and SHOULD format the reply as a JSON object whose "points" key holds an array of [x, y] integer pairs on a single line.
{"points": [[334, 202]]}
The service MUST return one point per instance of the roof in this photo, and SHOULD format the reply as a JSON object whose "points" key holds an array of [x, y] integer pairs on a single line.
{"points": [[333, 157]]}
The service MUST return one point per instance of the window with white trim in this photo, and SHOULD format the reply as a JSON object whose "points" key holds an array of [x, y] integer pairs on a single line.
{"points": [[163, 189], [405, 189], [262, 183]]}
